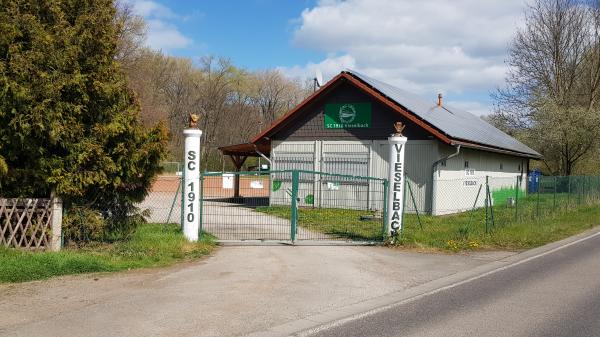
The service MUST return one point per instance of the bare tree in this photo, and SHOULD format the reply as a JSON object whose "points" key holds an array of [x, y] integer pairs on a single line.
{"points": [[553, 82], [275, 94], [234, 104], [131, 34]]}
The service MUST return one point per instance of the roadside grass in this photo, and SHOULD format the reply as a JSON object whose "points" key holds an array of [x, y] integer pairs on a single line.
{"points": [[152, 245], [535, 221], [466, 232], [334, 222]]}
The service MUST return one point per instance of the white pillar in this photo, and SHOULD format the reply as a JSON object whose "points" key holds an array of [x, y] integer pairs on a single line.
{"points": [[191, 190], [396, 184]]}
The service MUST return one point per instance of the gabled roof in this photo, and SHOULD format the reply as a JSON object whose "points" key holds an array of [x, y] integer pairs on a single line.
{"points": [[455, 123], [450, 125]]}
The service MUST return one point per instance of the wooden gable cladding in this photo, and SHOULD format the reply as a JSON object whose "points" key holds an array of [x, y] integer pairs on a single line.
{"points": [[308, 122]]}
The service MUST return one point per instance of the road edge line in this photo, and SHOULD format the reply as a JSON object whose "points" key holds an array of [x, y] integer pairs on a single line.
{"points": [[336, 317]]}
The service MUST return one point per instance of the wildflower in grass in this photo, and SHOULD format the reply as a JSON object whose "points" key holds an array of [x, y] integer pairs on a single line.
{"points": [[473, 244]]}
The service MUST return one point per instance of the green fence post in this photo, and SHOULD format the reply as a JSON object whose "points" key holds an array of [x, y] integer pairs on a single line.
{"points": [[493, 223], [182, 208], [474, 205], [568, 192], [554, 196], [585, 192], [385, 210], [200, 213], [537, 206], [487, 196], [517, 200], [578, 192], [173, 203], [414, 203], [294, 220]]}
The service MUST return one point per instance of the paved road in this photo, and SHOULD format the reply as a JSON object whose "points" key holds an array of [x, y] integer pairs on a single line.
{"points": [[557, 294], [237, 291]]}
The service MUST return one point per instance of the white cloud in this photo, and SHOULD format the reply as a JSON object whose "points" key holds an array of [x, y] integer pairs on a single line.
{"points": [[163, 35], [422, 46], [151, 9], [162, 32], [329, 67]]}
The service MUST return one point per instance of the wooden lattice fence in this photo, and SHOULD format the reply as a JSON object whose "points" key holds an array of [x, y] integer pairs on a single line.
{"points": [[30, 223]]}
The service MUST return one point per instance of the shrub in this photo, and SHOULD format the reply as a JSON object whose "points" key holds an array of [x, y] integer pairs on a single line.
{"points": [[82, 225], [68, 122]]}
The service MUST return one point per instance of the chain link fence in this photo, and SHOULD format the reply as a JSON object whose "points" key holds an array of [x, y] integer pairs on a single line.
{"points": [[489, 202], [340, 207], [293, 206], [163, 202], [230, 202], [296, 205], [171, 167]]}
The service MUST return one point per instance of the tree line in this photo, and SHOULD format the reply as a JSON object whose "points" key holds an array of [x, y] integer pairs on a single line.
{"points": [[233, 103], [551, 100]]}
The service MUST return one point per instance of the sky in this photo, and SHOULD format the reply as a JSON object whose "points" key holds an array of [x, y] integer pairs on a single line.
{"points": [[427, 47]]}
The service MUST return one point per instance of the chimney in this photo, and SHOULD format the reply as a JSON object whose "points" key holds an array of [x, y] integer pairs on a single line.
{"points": [[440, 101]]}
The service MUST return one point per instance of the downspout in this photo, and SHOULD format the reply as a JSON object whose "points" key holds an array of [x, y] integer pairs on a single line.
{"points": [[262, 155], [270, 168], [434, 180]]}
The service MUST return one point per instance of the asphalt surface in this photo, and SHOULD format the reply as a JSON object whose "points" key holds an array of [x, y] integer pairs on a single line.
{"points": [[557, 294], [237, 291]]}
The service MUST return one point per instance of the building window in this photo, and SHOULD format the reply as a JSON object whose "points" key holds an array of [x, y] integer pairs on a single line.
{"points": [[501, 166], [466, 164]]}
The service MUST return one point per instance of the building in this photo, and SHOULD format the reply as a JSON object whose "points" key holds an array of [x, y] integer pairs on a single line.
{"points": [[343, 128]]}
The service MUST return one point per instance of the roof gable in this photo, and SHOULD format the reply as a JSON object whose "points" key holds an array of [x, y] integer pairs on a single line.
{"points": [[447, 124], [457, 124]]}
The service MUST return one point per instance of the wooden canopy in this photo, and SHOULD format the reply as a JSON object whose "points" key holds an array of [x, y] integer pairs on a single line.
{"points": [[239, 153], [246, 150]]}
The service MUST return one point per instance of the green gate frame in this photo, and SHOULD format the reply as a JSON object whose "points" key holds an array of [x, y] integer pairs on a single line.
{"points": [[294, 194]]}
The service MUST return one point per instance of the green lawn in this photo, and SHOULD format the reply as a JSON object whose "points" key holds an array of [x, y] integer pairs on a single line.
{"points": [[532, 222], [467, 230], [334, 222], [152, 245]]}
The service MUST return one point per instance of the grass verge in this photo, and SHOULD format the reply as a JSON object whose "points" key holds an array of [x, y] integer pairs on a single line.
{"points": [[152, 245], [456, 232], [461, 232], [334, 222]]}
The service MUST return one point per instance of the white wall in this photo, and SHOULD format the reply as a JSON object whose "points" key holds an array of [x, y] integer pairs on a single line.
{"points": [[357, 158], [456, 187], [419, 156]]}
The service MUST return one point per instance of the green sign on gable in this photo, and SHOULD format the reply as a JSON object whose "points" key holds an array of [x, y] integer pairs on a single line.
{"points": [[347, 115]]}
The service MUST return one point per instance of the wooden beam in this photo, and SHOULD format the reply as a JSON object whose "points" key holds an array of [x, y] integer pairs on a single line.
{"points": [[238, 161]]}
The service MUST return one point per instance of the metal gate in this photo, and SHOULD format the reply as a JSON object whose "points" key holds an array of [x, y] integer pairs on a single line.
{"points": [[293, 206]]}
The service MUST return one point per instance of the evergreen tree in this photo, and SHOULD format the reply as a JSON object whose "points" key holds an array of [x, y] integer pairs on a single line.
{"points": [[68, 122]]}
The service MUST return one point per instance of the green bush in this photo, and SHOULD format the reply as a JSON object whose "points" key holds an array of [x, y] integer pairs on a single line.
{"points": [[82, 225], [69, 123]]}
